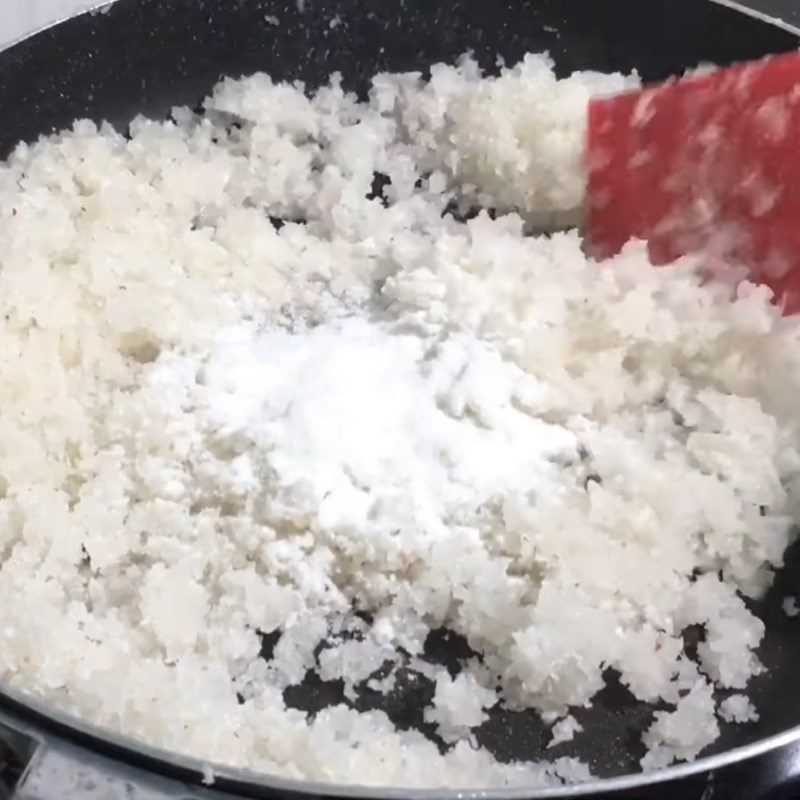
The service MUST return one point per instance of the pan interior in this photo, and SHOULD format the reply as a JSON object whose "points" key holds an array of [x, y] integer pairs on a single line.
{"points": [[145, 56]]}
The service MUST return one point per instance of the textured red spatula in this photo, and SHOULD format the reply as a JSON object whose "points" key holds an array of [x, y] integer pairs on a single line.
{"points": [[709, 163]]}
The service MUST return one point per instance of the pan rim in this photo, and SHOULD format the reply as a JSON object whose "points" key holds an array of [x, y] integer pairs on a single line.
{"points": [[134, 752], [776, 22], [241, 781]]}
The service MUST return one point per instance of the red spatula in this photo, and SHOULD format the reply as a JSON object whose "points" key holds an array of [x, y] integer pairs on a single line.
{"points": [[706, 163]]}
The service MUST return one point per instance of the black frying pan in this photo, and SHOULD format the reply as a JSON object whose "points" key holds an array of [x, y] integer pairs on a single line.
{"points": [[144, 56]]}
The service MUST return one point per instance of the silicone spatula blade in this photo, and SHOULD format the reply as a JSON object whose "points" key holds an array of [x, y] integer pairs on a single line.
{"points": [[707, 163]]}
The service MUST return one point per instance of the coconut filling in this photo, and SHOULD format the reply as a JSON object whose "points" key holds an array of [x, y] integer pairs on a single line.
{"points": [[276, 400]]}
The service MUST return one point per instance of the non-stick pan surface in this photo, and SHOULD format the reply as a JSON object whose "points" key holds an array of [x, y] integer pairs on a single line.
{"points": [[145, 56]]}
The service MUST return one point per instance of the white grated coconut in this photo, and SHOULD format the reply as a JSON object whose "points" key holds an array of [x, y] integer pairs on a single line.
{"points": [[564, 730], [214, 427], [458, 705], [790, 607], [738, 708]]}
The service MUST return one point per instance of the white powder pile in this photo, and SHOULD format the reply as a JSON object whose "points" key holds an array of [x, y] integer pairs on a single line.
{"points": [[370, 421], [374, 433]]}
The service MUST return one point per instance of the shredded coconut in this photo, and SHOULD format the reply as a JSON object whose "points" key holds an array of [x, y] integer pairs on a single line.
{"points": [[515, 141], [564, 730], [790, 607], [271, 408], [684, 732], [458, 705], [208, 775], [738, 708]]}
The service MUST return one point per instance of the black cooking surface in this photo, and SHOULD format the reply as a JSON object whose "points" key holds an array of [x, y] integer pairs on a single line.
{"points": [[144, 56]]}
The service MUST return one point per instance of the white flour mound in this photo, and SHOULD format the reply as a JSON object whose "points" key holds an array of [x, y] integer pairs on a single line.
{"points": [[370, 422]]}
